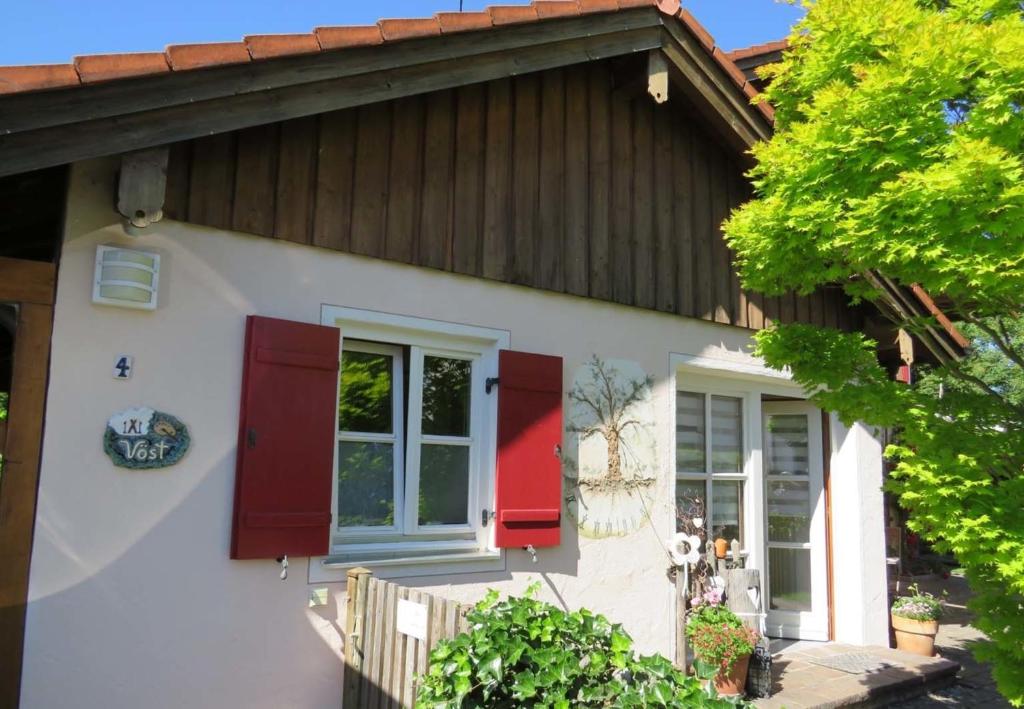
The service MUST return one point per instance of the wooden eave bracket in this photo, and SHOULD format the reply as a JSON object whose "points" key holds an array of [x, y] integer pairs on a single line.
{"points": [[657, 76], [142, 186]]}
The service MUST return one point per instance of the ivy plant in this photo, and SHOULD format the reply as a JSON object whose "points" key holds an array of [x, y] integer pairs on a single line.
{"points": [[522, 652]]}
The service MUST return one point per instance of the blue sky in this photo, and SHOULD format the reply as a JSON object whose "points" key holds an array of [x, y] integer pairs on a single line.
{"points": [[49, 31]]}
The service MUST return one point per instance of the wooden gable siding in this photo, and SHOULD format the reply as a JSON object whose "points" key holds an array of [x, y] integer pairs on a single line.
{"points": [[570, 180]]}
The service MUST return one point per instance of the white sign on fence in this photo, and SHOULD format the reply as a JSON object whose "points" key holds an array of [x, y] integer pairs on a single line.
{"points": [[412, 619]]}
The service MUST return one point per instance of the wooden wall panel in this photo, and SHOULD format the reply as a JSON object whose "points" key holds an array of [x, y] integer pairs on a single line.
{"points": [[571, 180]]}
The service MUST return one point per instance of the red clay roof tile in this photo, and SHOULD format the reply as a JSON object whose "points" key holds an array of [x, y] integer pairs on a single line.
{"points": [[758, 49], [197, 56], [512, 14], [731, 69], [15, 79], [555, 8], [698, 29], [462, 21], [105, 67], [268, 46], [393, 30], [342, 37], [589, 6]]}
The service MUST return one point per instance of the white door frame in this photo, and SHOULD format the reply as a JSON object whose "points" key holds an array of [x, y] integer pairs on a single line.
{"points": [[800, 624]]}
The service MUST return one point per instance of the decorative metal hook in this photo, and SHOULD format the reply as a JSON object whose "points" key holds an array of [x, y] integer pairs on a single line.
{"points": [[283, 561]]}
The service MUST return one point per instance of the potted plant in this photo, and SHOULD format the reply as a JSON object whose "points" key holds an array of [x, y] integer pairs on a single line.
{"points": [[915, 620], [721, 643]]}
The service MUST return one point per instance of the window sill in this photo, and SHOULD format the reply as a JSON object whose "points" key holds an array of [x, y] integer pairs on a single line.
{"points": [[330, 569]]}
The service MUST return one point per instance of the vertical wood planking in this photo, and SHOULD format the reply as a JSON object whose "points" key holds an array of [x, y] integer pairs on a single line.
{"points": [[404, 181], [438, 154], [212, 182], [373, 148], [498, 180], [525, 174], [296, 180], [575, 255], [332, 217], [832, 305], [374, 635], [737, 195], [387, 645], [408, 694], [551, 202], [423, 646], [620, 236], [398, 659], [642, 243], [755, 307], [683, 216], [256, 180], [664, 232], [719, 209], [803, 309], [179, 164], [599, 266], [469, 179], [703, 233]]}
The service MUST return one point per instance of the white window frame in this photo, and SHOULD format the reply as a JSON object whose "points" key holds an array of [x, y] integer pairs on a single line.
{"points": [[710, 387], [469, 547]]}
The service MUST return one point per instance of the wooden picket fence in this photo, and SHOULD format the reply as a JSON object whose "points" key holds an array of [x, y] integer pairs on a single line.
{"points": [[382, 663]]}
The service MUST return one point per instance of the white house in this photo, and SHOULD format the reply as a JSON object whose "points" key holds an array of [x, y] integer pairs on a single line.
{"points": [[505, 225]]}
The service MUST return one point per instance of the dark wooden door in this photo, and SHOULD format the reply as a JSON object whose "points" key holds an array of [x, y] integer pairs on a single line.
{"points": [[26, 299]]}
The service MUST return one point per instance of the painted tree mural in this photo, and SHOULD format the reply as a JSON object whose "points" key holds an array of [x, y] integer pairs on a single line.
{"points": [[609, 400]]}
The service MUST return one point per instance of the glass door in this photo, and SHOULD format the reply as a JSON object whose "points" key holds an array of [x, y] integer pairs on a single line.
{"points": [[795, 512]]}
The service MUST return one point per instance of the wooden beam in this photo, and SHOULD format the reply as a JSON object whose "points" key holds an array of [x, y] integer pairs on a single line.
{"points": [[657, 76], [33, 149], [20, 484], [27, 281], [31, 111], [712, 90], [142, 186]]}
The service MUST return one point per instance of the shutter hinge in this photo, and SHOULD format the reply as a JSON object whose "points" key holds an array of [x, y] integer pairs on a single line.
{"points": [[486, 516], [250, 437], [491, 382]]}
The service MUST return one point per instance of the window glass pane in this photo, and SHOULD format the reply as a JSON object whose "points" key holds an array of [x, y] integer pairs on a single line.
{"points": [[790, 579], [686, 492], [726, 434], [444, 484], [690, 432], [789, 511], [364, 399], [366, 484], [787, 435], [446, 385], [727, 509]]}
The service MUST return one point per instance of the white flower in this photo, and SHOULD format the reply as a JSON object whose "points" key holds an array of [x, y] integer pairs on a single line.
{"points": [[698, 522], [685, 549]]}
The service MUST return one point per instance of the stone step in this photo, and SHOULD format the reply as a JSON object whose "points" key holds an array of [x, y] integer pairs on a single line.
{"points": [[832, 675]]}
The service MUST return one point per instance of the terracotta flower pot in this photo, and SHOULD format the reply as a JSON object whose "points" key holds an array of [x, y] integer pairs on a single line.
{"points": [[915, 636], [733, 683]]}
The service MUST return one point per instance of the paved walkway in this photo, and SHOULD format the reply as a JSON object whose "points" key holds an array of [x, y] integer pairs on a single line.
{"points": [[974, 686], [801, 682]]}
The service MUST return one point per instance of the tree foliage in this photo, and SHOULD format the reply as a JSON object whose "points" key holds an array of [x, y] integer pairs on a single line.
{"points": [[899, 151]]}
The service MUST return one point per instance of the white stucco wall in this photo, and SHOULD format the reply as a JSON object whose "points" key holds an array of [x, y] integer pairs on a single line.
{"points": [[861, 598], [133, 600]]}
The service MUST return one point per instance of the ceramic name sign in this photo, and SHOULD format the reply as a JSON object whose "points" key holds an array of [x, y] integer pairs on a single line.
{"points": [[143, 438]]}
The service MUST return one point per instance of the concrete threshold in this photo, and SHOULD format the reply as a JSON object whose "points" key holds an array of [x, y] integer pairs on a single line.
{"points": [[799, 682]]}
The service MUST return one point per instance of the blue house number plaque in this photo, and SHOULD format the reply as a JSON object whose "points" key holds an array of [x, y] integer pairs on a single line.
{"points": [[143, 438]]}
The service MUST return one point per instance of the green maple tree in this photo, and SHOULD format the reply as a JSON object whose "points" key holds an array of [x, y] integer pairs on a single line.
{"points": [[899, 151]]}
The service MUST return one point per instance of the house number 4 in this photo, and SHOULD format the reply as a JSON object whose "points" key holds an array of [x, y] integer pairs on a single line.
{"points": [[123, 366]]}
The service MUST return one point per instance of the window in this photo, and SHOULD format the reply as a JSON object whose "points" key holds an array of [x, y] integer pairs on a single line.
{"points": [[710, 457], [415, 440]]}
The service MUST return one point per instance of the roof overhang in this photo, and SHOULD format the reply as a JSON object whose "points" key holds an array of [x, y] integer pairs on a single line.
{"points": [[51, 127]]}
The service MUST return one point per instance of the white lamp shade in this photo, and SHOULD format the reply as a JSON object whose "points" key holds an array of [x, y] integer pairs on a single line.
{"points": [[126, 277]]}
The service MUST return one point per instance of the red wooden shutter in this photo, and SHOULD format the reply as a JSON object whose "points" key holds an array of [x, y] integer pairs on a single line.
{"points": [[528, 488], [285, 464]]}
